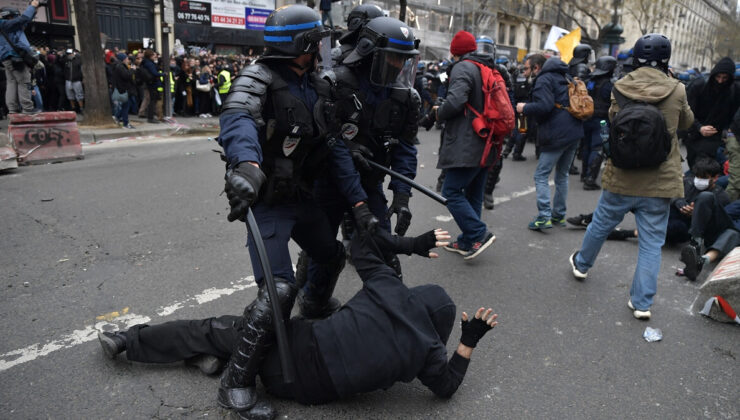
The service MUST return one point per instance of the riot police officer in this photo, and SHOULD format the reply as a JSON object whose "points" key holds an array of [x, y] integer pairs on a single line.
{"points": [[583, 55], [356, 20], [600, 88], [276, 144], [378, 110]]}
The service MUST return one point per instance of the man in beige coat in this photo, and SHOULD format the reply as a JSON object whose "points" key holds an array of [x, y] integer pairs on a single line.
{"points": [[647, 191]]}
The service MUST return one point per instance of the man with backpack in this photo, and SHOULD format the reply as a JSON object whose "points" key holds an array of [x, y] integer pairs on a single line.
{"points": [[463, 151], [557, 137], [644, 182]]}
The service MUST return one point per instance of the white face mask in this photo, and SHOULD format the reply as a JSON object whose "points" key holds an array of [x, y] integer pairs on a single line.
{"points": [[701, 184]]}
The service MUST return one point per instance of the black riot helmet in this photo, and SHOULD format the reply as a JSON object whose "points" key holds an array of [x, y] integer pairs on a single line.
{"points": [[292, 31], [582, 53], [485, 45], [392, 47], [357, 19], [9, 13], [652, 50], [605, 65], [361, 15]]}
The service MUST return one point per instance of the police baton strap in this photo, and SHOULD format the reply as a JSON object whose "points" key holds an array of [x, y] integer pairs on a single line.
{"points": [[286, 363], [429, 193]]}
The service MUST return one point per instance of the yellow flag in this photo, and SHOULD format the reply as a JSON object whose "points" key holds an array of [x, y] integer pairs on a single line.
{"points": [[567, 43]]}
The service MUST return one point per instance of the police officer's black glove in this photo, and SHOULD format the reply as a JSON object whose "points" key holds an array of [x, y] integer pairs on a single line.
{"points": [[474, 329], [364, 219], [360, 155], [242, 186], [400, 206]]}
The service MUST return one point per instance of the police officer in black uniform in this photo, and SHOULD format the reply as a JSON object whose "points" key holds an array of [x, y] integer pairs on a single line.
{"points": [[600, 88], [275, 136], [578, 66], [356, 20], [378, 112]]}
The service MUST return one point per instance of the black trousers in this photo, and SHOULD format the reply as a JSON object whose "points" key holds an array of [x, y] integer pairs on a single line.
{"points": [[711, 222], [175, 341]]}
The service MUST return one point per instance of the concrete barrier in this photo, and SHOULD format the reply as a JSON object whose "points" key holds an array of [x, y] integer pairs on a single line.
{"points": [[725, 282], [45, 137], [8, 157]]}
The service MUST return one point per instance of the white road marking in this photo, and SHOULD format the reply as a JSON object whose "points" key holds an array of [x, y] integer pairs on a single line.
{"points": [[90, 332]]}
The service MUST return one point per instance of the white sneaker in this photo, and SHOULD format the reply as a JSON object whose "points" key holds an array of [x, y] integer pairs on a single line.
{"points": [[638, 313], [580, 275]]}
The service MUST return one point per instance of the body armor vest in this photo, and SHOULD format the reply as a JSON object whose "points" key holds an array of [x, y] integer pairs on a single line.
{"points": [[379, 126], [601, 106]]}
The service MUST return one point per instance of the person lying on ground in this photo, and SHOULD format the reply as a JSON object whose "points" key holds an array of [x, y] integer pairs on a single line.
{"points": [[386, 333]]}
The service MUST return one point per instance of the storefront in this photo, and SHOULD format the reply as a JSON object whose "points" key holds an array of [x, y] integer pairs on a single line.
{"points": [[125, 23], [51, 27], [226, 26]]}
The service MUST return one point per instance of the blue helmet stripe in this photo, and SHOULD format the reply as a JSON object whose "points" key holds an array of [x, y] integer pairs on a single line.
{"points": [[400, 41], [278, 38], [298, 26]]}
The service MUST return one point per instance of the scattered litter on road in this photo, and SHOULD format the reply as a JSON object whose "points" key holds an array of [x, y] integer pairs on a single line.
{"points": [[26, 284], [190, 154], [421, 166], [63, 260], [652, 334], [46, 200]]}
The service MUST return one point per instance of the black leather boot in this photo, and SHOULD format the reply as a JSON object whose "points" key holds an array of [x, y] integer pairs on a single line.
{"points": [[112, 343], [237, 389], [314, 301], [594, 167]]}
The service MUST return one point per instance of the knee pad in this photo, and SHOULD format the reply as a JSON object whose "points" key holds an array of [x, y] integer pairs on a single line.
{"points": [[259, 312]]}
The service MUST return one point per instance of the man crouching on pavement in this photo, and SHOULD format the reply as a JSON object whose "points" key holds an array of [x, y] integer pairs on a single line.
{"points": [[386, 333]]}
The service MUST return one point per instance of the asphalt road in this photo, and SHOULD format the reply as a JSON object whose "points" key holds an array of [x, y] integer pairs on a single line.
{"points": [[137, 232]]}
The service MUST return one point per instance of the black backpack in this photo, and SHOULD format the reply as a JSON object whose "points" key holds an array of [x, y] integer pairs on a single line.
{"points": [[638, 137]]}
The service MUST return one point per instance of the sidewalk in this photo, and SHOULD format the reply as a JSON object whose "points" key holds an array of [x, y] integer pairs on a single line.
{"points": [[176, 126]]}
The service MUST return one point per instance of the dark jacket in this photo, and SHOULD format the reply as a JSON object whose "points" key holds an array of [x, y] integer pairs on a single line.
{"points": [[388, 333], [600, 89], [123, 79], [713, 104], [73, 68], [151, 68], [556, 127], [690, 193], [461, 146]]}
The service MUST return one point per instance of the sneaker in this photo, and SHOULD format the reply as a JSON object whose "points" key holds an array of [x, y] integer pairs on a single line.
{"points": [[129, 126], [455, 247], [518, 158], [558, 220], [694, 263], [620, 234], [578, 274], [479, 247], [574, 170], [488, 201], [645, 315], [582, 220], [208, 115], [112, 343], [540, 223]]}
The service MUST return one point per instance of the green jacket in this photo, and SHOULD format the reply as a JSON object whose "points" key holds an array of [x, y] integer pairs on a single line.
{"points": [[652, 86]]}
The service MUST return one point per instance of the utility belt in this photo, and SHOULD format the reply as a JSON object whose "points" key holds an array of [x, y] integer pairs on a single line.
{"points": [[381, 147], [288, 178]]}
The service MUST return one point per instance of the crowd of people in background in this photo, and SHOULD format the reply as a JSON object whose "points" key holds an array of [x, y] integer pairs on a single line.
{"points": [[199, 82]]}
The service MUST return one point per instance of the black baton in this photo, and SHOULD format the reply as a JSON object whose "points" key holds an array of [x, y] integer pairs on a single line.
{"points": [[431, 194], [286, 362]]}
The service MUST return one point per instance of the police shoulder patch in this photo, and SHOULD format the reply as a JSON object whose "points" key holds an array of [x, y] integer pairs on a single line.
{"points": [[349, 131]]}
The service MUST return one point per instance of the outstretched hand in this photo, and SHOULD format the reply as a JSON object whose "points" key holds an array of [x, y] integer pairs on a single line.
{"points": [[474, 329], [442, 239]]}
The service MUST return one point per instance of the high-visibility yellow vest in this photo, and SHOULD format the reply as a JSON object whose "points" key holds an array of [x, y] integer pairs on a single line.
{"points": [[172, 83], [223, 89], [161, 88]]}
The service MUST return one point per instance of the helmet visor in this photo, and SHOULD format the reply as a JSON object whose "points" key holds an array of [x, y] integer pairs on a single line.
{"points": [[393, 69], [484, 47]]}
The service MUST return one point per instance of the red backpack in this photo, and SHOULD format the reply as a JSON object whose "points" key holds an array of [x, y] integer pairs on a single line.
{"points": [[497, 118]]}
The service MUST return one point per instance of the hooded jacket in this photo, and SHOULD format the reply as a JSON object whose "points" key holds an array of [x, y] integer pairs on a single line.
{"points": [[556, 127], [669, 95], [461, 146], [714, 104]]}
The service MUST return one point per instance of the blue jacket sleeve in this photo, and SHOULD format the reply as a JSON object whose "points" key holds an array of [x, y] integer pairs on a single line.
{"points": [[403, 161], [18, 23], [239, 138], [343, 171], [543, 99]]}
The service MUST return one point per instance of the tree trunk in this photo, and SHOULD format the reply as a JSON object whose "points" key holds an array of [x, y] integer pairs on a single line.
{"points": [[97, 100]]}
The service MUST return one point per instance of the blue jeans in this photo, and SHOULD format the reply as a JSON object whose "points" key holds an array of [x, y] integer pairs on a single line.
{"points": [[463, 189], [120, 111], [560, 160], [651, 215]]}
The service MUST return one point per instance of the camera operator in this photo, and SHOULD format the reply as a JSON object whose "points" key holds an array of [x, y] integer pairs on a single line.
{"points": [[16, 56]]}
